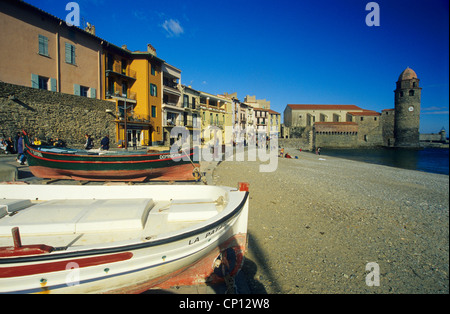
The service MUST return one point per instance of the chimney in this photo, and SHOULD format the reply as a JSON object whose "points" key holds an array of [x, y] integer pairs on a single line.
{"points": [[151, 49], [90, 28]]}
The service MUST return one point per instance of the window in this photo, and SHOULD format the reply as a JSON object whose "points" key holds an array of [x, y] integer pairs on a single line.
{"points": [[153, 111], [110, 62], [194, 120], [124, 67], [401, 94], [84, 91], [43, 45], [43, 82], [185, 101], [193, 103], [124, 89], [411, 93], [362, 118], [153, 70], [70, 54], [153, 90]]}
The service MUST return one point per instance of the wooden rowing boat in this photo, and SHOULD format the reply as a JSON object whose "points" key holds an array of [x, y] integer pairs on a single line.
{"points": [[119, 239], [57, 163]]}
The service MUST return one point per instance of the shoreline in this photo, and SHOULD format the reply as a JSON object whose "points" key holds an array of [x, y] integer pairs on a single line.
{"points": [[317, 222]]}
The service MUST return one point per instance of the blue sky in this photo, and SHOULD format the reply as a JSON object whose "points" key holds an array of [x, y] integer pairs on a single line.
{"points": [[288, 52]]}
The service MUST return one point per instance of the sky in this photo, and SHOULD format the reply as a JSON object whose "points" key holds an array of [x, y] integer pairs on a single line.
{"points": [[288, 51]]}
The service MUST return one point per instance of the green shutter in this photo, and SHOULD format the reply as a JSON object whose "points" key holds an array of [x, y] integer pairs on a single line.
{"points": [[93, 93], [43, 45], [68, 51], [53, 84], [77, 89], [34, 81]]}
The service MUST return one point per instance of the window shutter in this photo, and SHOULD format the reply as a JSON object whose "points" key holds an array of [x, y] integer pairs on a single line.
{"points": [[53, 85], [93, 93], [68, 51], [43, 45], [77, 89], [35, 81]]}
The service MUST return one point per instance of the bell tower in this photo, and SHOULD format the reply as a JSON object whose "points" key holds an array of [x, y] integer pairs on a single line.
{"points": [[407, 110]]}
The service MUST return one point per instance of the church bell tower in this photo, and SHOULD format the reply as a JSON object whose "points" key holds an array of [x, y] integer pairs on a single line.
{"points": [[407, 110]]}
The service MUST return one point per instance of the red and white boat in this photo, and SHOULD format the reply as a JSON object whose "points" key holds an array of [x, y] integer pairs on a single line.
{"points": [[119, 239]]}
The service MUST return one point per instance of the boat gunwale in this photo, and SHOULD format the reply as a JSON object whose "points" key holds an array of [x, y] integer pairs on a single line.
{"points": [[131, 247], [87, 155]]}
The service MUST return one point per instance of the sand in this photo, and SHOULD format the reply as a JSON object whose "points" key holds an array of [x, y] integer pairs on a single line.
{"points": [[317, 221]]}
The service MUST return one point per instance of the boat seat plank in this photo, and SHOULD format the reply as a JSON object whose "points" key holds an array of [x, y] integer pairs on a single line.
{"points": [[8, 206], [191, 210], [110, 215], [79, 216]]}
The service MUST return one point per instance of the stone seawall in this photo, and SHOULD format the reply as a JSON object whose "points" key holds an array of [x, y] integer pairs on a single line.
{"points": [[47, 114]]}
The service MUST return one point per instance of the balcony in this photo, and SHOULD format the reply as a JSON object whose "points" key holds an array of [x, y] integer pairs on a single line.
{"points": [[129, 96], [117, 69], [132, 117]]}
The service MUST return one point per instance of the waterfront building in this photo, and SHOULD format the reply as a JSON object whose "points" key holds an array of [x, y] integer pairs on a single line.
{"points": [[42, 52], [350, 126], [274, 123], [260, 122], [191, 114], [216, 114], [172, 109], [45, 53], [147, 115]]}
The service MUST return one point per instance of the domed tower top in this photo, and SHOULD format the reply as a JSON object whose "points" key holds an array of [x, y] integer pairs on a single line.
{"points": [[408, 74], [408, 79]]}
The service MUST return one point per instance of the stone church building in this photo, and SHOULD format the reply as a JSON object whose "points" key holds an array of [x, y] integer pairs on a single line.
{"points": [[349, 126]]}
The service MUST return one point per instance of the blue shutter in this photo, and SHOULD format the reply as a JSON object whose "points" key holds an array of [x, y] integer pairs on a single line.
{"points": [[93, 93], [53, 85], [68, 52], [34, 81], [77, 89], [43, 45]]}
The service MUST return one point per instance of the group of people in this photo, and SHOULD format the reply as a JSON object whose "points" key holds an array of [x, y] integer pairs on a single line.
{"points": [[7, 146], [104, 143], [14, 146]]}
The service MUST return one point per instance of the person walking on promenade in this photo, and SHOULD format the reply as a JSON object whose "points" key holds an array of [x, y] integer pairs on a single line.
{"points": [[105, 143], [89, 144], [20, 152], [16, 141]]}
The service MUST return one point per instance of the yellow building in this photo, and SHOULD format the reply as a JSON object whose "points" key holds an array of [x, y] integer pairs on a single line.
{"points": [[148, 89], [133, 81]]}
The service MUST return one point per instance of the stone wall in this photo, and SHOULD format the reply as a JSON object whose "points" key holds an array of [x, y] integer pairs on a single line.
{"points": [[296, 143], [337, 140], [47, 114]]}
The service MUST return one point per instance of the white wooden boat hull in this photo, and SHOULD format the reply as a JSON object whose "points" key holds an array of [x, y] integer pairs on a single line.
{"points": [[134, 265]]}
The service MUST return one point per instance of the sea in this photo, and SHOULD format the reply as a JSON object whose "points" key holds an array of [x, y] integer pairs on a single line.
{"points": [[434, 160]]}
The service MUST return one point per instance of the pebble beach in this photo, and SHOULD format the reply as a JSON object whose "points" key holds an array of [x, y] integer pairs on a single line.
{"points": [[317, 221]]}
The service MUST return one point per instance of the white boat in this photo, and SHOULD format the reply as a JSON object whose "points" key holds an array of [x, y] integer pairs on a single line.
{"points": [[119, 239]]}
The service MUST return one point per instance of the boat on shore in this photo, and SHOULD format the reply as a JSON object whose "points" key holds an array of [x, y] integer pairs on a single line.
{"points": [[119, 239], [65, 163]]}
